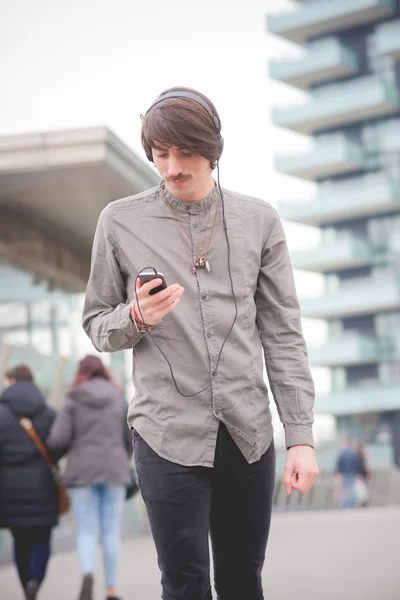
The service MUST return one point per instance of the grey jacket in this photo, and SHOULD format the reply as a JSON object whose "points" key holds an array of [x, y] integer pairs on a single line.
{"points": [[91, 429], [138, 232]]}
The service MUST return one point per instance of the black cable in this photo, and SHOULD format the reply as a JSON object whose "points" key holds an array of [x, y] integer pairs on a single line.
{"points": [[146, 327]]}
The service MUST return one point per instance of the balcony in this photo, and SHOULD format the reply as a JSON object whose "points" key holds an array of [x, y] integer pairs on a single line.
{"points": [[326, 60], [342, 254], [360, 399], [387, 39], [320, 18], [340, 104], [360, 198], [358, 297], [330, 157], [349, 349]]}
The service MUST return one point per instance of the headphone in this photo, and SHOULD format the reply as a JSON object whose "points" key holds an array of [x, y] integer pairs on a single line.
{"points": [[189, 95]]}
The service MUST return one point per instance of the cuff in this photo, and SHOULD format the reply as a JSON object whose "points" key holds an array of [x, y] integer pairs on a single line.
{"points": [[300, 435], [128, 326]]}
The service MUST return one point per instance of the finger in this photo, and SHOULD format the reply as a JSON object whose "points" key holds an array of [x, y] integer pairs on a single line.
{"points": [[164, 304], [138, 284], [145, 288], [160, 314], [287, 479], [164, 294], [304, 482]]}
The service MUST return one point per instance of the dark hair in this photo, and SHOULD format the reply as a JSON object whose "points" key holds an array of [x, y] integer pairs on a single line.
{"points": [[90, 367], [184, 123], [19, 373]]}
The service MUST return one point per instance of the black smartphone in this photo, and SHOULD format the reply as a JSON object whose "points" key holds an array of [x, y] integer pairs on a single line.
{"points": [[148, 275]]}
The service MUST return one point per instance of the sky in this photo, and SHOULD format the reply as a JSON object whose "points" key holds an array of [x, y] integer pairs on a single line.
{"points": [[95, 62]]}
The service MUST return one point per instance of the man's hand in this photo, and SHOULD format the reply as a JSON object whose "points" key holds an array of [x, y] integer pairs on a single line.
{"points": [[154, 308], [301, 469]]}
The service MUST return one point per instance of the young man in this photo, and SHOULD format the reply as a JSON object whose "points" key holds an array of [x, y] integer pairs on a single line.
{"points": [[202, 431]]}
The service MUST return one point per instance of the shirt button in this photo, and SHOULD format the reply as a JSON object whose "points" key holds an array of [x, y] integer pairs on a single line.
{"points": [[194, 225], [204, 297], [187, 208], [209, 334]]}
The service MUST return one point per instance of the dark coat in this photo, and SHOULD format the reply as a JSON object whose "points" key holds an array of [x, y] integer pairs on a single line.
{"points": [[28, 496], [91, 429]]}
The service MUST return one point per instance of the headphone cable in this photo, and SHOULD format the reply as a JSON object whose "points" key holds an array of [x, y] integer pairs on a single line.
{"points": [[147, 329]]}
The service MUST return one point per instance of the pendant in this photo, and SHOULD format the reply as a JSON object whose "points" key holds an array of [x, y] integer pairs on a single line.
{"points": [[194, 269], [202, 263]]}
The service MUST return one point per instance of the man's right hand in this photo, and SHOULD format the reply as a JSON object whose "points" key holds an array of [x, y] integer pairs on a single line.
{"points": [[154, 308]]}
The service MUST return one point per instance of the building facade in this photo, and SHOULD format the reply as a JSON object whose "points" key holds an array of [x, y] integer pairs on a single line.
{"points": [[53, 186], [351, 71]]}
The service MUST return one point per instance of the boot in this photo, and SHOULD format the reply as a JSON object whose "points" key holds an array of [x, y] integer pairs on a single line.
{"points": [[32, 588], [86, 588]]}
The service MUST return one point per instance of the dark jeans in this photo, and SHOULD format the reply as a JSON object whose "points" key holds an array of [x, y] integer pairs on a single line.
{"points": [[31, 552], [231, 501]]}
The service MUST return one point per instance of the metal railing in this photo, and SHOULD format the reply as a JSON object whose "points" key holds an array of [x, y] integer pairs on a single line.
{"points": [[383, 487]]}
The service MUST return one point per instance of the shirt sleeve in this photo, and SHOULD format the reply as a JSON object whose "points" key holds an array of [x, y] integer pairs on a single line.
{"points": [[106, 317], [278, 318]]}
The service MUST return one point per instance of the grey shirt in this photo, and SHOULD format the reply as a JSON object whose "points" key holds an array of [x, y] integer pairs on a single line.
{"points": [[138, 232]]}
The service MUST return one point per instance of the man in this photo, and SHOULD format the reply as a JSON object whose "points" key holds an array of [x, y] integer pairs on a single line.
{"points": [[349, 469], [201, 422]]}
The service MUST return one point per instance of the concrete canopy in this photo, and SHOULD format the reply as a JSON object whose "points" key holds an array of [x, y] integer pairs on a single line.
{"points": [[53, 187]]}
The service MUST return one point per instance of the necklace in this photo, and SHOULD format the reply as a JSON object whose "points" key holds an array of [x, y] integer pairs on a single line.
{"points": [[201, 261]]}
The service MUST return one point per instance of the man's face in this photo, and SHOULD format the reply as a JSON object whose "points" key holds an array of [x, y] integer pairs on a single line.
{"points": [[187, 175]]}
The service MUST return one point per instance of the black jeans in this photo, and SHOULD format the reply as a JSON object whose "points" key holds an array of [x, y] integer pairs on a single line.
{"points": [[231, 501], [31, 552]]}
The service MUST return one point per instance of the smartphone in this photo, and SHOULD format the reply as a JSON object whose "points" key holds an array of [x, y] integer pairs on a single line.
{"points": [[148, 275]]}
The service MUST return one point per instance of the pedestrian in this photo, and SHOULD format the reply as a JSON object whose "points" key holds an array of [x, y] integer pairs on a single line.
{"points": [[348, 469], [91, 429], [361, 485], [28, 495], [200, 417]]}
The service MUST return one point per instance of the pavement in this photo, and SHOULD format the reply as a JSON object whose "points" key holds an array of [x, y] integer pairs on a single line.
{"points": [[323, 555]]}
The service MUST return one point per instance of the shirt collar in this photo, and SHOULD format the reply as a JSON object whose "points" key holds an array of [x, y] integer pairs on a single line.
{"points": [[196, 207]]}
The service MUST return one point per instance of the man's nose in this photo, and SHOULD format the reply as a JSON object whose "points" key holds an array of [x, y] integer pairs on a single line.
{"points": [[174, 167]]}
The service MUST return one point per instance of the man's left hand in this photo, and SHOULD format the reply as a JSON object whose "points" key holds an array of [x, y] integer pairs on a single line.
{"points": [[301, 469]]}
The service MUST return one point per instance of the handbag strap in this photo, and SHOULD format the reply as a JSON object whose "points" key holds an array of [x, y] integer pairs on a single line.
{"points": [[30, 430]]}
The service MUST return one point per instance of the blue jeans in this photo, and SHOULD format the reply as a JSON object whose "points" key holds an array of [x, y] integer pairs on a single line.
{"points": [[347, 492], [232, 502], [98, 511]]}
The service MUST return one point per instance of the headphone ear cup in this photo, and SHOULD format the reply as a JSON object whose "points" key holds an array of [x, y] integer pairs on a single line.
{"points": [[221, 145]]}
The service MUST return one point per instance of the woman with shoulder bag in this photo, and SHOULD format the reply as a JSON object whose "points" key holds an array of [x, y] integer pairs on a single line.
{"points": [[91, 429], [29, 502]]}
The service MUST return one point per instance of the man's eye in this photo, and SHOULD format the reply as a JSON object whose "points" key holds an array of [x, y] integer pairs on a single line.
{"points": [[162, 155], [187, 153]]}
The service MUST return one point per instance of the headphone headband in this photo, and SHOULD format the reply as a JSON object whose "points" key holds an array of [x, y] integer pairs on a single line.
{"points": [[183, 94], [190, 96]]}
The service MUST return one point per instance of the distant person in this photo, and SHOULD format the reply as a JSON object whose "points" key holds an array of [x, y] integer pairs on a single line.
{"points": [[91, 429], [360, 449], [362, 494], [348, 469], [28, 495]]}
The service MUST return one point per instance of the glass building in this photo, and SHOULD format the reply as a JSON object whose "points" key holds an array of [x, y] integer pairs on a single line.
{"points": [[53, 187], [350, 70]]}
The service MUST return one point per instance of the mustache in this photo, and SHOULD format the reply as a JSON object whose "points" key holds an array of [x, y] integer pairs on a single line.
{"points": [[179, 178]]}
